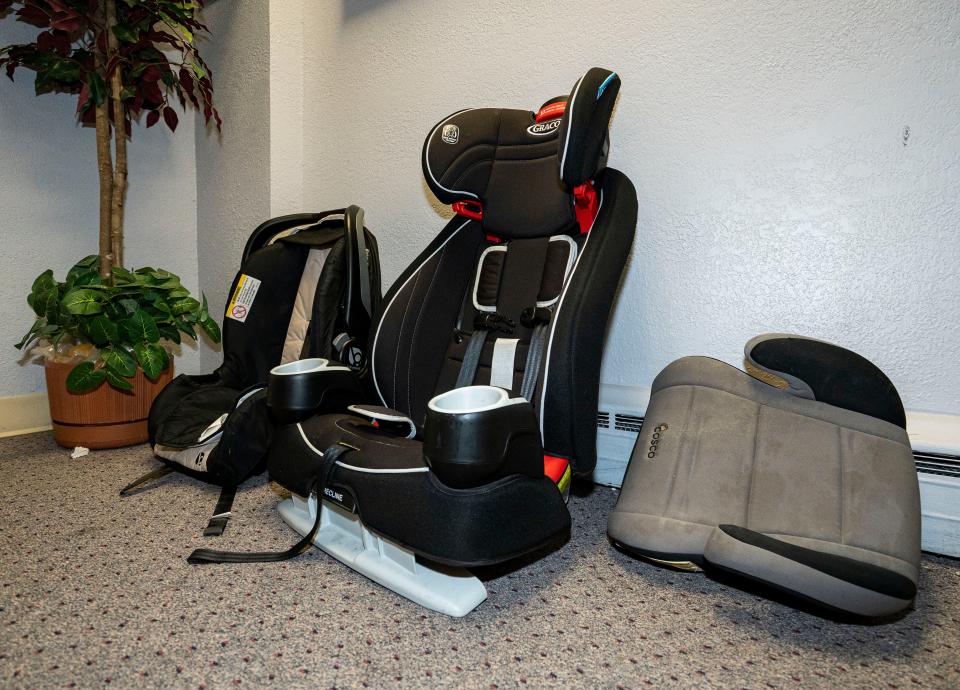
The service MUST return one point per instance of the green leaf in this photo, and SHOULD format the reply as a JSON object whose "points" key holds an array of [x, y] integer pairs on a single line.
{"points": [[119, 361], [182, 306], [211, 328], [31, 335], [130, 305], [178, 292], [45, 301], [186, 328], [169, 332], [98, 88], [140, 328], [82, 301], [118, 381], [84, 377], [152, 359], [44, 281], [126, 33], [122, 275], [204, 312], [102, 330]]}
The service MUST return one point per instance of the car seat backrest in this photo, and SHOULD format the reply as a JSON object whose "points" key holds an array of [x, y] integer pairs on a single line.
{"points": [[523, 186], [286, 302]]}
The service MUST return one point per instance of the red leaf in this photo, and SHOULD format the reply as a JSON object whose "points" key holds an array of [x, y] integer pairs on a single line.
{"points": [[84, 97], [45, 42], [186, 80], [151, 74], [33, 16], [153, 117], [152, 93], [170, 117]]}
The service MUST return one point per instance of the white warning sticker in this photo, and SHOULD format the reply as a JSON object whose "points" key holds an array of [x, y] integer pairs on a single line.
{"points": [[243, 296]]}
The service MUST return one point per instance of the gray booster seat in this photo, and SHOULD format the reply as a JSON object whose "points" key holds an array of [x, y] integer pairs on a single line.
{"points": [[800, 476], [485, 362]]}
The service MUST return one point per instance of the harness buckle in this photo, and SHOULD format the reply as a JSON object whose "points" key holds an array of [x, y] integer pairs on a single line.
{"points": [[487, 321]]}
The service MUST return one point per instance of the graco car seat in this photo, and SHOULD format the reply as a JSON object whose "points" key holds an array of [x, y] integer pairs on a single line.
{"points": [[807, 485], [307, 286], [485, 361]]}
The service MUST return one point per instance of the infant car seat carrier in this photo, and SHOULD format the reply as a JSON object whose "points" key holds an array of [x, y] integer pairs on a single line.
{"points": [[303, 290], [485, 361]]}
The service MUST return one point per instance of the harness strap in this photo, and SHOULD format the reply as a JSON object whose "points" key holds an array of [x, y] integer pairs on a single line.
{"points": [[531, 371], [221, 513], [149, 476], [330, 457], [471, 358]]}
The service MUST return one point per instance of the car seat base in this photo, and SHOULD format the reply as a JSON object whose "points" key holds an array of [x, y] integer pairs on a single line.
{"points": [[452, 591]]}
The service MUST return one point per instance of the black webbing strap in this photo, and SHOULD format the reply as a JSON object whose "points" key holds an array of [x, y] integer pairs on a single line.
{"points": [[471, 358], [221, 514], [330, 456], [148, 477], [531, 371]]}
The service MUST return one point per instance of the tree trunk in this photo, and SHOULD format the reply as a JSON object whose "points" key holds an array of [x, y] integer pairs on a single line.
{"points": [[105, 166], [119, 182]]}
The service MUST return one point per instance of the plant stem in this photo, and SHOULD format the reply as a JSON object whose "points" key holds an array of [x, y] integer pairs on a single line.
{"points": [[105, 166], [119, 181]]}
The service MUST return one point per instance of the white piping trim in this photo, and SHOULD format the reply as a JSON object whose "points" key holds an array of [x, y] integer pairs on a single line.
{"points": [[426, 155], [370, 470], [571, 260], [373, 348], [476, 282], [569, 115], [556, 315], [307, 441]]}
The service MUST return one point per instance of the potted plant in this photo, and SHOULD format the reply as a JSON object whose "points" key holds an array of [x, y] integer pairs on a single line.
{"points": [[103, 330]]}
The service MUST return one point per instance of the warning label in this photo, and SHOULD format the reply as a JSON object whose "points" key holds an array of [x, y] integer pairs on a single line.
{"points": [[243, 296]]}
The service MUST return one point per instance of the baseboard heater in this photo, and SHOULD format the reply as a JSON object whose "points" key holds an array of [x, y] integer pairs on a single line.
{"points": [[936, 450]]}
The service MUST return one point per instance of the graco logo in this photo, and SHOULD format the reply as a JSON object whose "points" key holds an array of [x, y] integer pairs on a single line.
{"points": [[655, 440], [542, 128], [450, 134]]}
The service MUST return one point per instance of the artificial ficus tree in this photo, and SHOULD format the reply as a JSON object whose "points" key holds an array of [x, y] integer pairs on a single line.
{"points": [[122, 59]]}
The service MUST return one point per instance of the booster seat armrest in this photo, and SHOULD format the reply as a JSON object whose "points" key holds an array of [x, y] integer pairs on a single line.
{"points": [[387, 419], [298, 390]]}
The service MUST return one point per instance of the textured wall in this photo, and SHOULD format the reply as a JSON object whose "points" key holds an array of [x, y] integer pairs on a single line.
{"points": [[49, 204], [796, 163], [233, 173]]}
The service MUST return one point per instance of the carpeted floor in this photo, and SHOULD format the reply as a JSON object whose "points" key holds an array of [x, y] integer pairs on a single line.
{"points": [[95, 590]]}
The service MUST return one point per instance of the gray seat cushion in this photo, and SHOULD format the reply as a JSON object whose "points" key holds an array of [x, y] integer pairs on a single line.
{"points": [[806, 496]]}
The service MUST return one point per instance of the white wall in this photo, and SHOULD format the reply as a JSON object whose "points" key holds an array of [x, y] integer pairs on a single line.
{"points": [[233, 167], [778, 188], [49, 204]]}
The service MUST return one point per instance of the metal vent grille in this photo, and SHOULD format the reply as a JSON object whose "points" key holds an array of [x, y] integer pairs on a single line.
{"points": [[603, 420], [937, 463], [627, 422]]}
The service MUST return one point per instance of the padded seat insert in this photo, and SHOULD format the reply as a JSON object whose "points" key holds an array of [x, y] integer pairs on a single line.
{"points": [[810, 497]]}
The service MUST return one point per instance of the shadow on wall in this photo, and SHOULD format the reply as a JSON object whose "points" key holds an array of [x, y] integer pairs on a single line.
{"points": [[358, 8]]}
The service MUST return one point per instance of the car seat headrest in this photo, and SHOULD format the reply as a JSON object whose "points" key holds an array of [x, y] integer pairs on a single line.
{"points": [[583, 130], [502, 166]]}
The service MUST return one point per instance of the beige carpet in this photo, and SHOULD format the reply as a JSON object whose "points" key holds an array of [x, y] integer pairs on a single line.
{"points": [[94, 590]]}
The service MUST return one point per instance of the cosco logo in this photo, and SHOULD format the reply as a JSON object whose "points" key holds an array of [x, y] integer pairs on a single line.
{"points": [[542, 128], [655, 440]]}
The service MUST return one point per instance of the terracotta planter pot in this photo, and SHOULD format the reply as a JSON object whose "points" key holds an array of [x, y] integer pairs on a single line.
{"points": [[104, 417]]}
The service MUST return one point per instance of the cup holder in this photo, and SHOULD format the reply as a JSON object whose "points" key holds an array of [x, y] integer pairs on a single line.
{"points": [[470, 399], [477, 434], [298, 390]]}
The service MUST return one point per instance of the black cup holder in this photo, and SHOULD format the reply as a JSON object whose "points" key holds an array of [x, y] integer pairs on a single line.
{"points": [[477, 434], [298, 390]]}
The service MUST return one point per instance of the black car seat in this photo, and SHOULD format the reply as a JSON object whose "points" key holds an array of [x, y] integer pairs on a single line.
{"points": [[307, 286], [485, 361]]}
